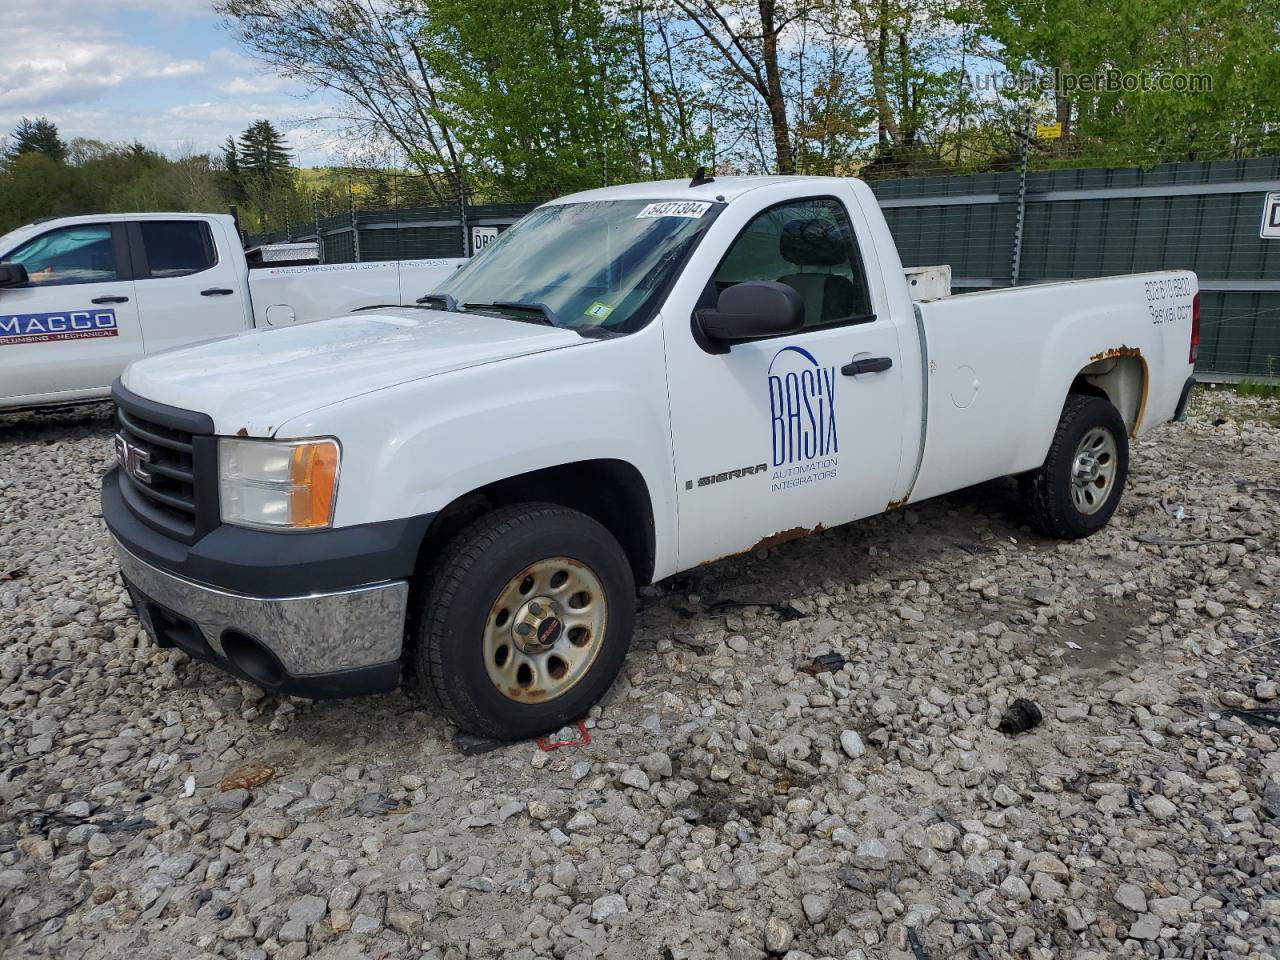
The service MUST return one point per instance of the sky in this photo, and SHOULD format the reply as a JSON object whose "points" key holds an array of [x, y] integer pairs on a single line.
{"points": [[164, 72]]}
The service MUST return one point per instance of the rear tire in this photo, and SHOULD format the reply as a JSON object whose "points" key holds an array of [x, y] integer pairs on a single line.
{"points": [[1080, 484], [524, 621]]}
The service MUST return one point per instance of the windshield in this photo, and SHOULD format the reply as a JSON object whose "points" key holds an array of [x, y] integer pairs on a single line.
{"points": [[592, 267]]}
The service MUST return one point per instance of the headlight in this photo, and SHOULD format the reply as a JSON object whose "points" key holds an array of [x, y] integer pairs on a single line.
{"points": [[275, 485]]}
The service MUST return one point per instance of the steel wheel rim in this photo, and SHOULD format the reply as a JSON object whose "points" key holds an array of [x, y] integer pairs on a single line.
{"points": [[544, 630], [1093, 470]]}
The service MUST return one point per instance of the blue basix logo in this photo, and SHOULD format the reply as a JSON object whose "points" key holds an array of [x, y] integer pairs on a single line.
{"points": [[46, 327], [802, 412]]}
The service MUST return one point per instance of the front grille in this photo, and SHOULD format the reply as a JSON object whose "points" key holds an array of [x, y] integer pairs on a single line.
{"points": [[168, 469]]}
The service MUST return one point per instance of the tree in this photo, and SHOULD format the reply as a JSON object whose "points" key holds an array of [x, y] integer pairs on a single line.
{"points": [[368, 52], [37, 136], [262, 158], [231, 175], [746, 36], [1204, 78], [541, 97]]}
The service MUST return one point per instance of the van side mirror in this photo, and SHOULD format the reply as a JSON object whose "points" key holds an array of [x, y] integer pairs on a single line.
{"points": [[13, 275], [752, 309]]}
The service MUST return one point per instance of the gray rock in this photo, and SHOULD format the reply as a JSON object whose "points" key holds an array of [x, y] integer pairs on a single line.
{"points": [[816, 908], [871, 854], [229, 801], [1131, 897], [778, 935], [610, 905], [308, 909], [1146, 927]]}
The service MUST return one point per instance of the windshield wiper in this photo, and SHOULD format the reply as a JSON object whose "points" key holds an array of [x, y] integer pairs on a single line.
{"points": [[449, 303], [544, 313]]}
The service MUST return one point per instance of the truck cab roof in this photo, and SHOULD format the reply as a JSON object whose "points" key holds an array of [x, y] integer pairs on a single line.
{"points": [[721, 189], [48, 222]]}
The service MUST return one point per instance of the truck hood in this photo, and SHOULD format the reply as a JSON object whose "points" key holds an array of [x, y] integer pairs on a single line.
{"points": [[253, 383]]}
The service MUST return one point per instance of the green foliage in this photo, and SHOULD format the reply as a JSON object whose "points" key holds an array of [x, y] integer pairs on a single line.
{"points": [[97, 177], [1268, 386], [542, 96], [1223, 50], [37, 136]]}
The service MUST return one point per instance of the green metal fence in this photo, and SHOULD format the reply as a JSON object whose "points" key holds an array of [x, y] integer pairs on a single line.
{"points": [[1075, 224]]}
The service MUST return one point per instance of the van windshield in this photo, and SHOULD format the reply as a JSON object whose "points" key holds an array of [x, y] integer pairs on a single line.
{"points": [[596, 267]]}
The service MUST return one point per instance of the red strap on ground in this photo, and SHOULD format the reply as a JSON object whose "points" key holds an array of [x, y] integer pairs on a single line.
{"points": [[583, 741]]}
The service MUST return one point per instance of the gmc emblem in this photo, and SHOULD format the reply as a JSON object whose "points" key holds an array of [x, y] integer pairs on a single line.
{"points": [[133, 459]]}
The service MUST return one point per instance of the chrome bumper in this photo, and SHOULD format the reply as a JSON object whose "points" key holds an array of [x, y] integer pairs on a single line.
{"points": [[346, 631]]}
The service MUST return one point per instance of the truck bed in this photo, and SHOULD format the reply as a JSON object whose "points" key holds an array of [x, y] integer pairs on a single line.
{"points": [[326, 290], [994, 363]]}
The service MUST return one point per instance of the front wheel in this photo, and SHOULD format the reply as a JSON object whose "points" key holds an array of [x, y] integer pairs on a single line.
{"points": [[525, 621], [1079, 487]]}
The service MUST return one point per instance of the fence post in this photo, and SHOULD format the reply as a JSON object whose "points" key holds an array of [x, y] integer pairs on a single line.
{"points": [[315, 213], [1022, 200], [462, 209], [355, 224]]}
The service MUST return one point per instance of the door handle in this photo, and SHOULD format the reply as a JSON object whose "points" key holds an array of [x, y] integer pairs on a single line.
{"points": [[216, 292], [869, 365], [109, 300]]}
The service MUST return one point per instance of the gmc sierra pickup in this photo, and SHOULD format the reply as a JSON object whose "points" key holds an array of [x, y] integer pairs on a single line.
{"points": [[82, 297], [630, 382]]}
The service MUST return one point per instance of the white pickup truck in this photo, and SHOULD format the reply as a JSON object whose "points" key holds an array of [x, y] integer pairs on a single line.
{"points": [[82, 297], [630, 382]]}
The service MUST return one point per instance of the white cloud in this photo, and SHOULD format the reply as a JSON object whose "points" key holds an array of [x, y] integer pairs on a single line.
{"points": [[79, 64], [255, 85], [35, 74]]}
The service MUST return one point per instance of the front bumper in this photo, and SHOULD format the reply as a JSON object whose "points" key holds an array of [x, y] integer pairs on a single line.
{"points": [[323, 645]]}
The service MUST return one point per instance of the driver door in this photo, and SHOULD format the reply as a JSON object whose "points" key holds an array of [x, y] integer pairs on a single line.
{"points": [[778, 437]]}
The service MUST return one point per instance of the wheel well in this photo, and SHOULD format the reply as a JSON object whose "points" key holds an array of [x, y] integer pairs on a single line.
{"points": [[1118, 376], [611, 492]]}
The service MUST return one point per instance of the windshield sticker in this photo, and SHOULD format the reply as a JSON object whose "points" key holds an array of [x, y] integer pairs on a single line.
{"points": [[802, 411], [599, 311], [693, 209], [46, 327]]}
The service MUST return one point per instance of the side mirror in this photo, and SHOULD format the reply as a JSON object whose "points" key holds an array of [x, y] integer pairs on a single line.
{"points": [[13, 275], [753, 309]]}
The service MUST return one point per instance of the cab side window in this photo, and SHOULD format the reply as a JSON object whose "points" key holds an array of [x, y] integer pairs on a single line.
{"points": [[177, 248], [808, 245], [79, 254]]}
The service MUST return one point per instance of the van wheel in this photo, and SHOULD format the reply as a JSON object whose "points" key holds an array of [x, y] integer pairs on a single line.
{"points": [[1079, 487], [525, 621]]}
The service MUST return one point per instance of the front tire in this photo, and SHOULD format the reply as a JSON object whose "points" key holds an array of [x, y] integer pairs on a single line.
{"points": [[1079, 487], [525, 621]]}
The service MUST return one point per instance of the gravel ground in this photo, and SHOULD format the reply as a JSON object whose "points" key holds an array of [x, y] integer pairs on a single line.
{"points": [[730, 804]]}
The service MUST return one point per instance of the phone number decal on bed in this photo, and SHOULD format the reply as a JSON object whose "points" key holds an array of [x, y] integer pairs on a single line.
{"points": [[46, 327]]}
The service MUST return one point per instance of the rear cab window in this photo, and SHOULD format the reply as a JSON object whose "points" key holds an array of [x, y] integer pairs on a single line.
{"points": [[177, 248]]}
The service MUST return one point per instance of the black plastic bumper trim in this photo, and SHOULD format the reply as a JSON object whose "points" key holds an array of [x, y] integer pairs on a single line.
{"points": [[260, 563]]}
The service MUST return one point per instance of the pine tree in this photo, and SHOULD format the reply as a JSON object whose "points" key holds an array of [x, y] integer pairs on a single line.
{"points": [[37, 136], [262, 156], [232, 175]]}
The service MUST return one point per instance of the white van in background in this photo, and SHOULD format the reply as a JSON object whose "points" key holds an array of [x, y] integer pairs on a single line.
{"points": [[82, 297]]}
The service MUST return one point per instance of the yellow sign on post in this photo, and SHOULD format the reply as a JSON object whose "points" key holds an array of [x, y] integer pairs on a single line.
{"points": [[1048, 131]]}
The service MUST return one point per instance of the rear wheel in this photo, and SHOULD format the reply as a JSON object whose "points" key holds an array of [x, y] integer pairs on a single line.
{"points": [[1079, 487], [525, 621]]}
